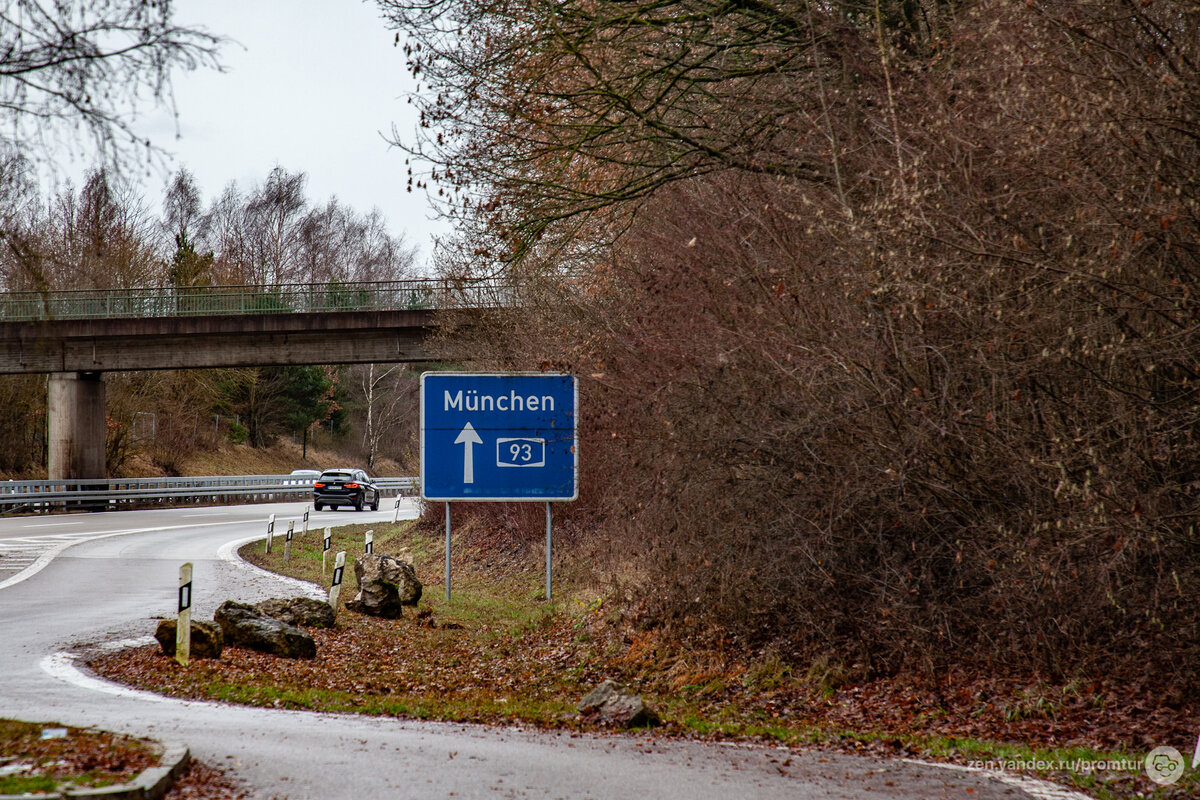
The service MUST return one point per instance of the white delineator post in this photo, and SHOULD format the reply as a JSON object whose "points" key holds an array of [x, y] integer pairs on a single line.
{"points": [[270, 531], [287, 543], [325, 544], [304, 530], [396, 510], [336, 587], [183, 626], [369, 544]]}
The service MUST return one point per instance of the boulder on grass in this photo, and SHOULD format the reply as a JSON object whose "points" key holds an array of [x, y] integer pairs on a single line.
{"points": [[385, 585], [243, 626], [304, 612], [207, 640], [610, 703]]}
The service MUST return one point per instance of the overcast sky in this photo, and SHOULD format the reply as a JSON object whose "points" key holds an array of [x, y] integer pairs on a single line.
{"points": [[310, 85]]}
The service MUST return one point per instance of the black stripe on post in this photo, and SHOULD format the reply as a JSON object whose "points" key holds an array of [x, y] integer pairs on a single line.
{"points": [[185, 597], [337, 575]]}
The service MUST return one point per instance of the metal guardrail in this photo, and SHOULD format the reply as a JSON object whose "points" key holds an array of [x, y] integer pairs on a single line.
{"points": [[113, 492], [288, 298]]}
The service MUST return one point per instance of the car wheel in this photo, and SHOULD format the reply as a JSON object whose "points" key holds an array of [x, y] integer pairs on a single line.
{"points": [[375, 505], [318, 506], [358, 504]]}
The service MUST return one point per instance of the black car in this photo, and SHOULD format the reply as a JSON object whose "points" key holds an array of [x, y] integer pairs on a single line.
{"points": [[345, 487]]}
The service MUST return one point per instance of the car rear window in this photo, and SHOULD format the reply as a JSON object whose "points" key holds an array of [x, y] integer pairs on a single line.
{"points": [[336, 476]]}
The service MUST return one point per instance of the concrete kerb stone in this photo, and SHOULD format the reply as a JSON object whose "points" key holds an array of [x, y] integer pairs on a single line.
{"points": [[151, 784]]}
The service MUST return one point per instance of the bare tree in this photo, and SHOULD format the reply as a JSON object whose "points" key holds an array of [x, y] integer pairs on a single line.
{"points": [[274, 214], [336, 243], [223, 230], [181, 206], [384, 401], [274, 234], [74, 65]]}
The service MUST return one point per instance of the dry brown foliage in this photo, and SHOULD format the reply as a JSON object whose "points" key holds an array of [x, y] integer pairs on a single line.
{"points": [[937, 405]]}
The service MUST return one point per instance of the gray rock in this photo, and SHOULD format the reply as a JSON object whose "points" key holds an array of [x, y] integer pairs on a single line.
{"points": [[385, 585], [207, 640], [610, 703], [300, 611], [243, 626]]}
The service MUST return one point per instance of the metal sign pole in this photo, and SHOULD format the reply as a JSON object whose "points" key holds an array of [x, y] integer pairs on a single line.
{"points": [[447, 552], [491, 437]]}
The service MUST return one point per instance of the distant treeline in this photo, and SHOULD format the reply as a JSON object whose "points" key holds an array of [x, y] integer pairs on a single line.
{"points": [[104, 236]]}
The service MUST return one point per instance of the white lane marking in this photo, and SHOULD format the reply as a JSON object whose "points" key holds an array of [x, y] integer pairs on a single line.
{"points": [[51, 524], [45, 558], [1034, 787], [46, 537], [61, 665], [228, 552], [42, 561]]}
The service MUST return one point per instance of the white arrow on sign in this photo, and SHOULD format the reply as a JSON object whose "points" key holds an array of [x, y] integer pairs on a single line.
{"points": [[468, 438]]}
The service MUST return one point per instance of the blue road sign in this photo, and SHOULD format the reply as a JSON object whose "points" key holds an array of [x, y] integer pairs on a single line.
{"points": [[498, 437]]}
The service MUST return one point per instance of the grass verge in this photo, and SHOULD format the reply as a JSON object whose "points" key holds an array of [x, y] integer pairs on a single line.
{"points": [[499, 653]]}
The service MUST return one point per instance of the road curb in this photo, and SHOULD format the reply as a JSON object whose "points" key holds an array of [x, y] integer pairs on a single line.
{"points": [[151, 784]]}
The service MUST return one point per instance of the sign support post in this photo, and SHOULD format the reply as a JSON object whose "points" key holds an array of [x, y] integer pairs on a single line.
{"points": [[183, 626], [490, 437]]}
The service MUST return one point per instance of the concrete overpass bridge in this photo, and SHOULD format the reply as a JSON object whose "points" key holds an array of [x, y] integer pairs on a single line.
{"points": [[77, 336]]}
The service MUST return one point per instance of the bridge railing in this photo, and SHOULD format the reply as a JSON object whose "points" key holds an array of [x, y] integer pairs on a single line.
{"points": [[288, 298], [114, 492]]}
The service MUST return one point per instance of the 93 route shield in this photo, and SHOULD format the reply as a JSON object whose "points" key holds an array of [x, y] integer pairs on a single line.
{"points": [[498, 437]]}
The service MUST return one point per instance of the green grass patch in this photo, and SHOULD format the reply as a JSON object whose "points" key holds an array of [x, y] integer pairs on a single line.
{"points": [[15, 784]]}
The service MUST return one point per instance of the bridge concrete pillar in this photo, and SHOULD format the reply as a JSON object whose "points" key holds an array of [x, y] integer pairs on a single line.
{"points": [[75, 426]]}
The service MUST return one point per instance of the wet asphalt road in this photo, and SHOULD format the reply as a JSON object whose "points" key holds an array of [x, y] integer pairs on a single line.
{"points": [[96, 579]]}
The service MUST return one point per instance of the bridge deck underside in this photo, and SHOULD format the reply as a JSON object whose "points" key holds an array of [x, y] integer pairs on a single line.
{"points": [[217, 341]]}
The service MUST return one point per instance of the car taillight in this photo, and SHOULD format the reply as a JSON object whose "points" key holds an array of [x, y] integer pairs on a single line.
{"points": [[351, 485], [318, 485]]}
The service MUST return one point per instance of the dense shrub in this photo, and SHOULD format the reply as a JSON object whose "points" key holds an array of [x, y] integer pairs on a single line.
{"points": [[936, 403]]}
